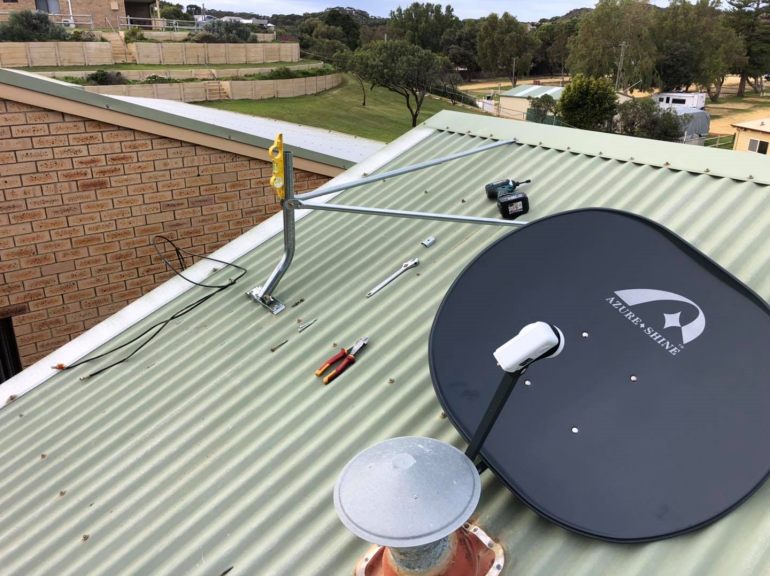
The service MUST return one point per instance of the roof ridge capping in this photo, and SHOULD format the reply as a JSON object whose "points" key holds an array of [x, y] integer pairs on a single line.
{"points": [[675, 156]]}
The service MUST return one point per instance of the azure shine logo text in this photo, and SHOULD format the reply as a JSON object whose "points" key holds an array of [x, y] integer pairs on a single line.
{"points": [[624, 300]]}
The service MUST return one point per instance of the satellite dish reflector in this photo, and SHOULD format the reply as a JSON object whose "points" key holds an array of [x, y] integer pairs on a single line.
{"points": [[653, 419]]}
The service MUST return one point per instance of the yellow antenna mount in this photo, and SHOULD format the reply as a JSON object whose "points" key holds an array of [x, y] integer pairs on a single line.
{"points": [[278, 179]]}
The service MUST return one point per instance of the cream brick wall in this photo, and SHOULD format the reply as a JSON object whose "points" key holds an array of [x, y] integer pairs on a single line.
{"points": [[81, 201], [100, 10]]}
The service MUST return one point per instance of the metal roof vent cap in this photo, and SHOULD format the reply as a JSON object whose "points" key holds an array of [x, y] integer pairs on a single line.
{"points": [[411, 494]]}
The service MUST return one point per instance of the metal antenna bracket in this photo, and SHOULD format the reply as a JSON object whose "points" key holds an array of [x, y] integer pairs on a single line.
{"points": [[275, 306], [283, 181]]}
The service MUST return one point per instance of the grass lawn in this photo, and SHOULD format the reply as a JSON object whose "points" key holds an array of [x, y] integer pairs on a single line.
{"points": [[165, 66], [385, 116]]}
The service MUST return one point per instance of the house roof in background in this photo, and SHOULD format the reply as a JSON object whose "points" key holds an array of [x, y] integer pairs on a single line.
{"points": [[352, 149], [206, 451], [759, 125], [321, 146], [533, 91]]}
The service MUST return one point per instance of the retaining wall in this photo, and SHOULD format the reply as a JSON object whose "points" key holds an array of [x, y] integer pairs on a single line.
{"points": [[191, 53], [262, 89], [23, 54], [230, 89]]}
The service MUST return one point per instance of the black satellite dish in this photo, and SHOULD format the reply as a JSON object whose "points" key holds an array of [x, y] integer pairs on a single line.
{"points": [[654, 419]]}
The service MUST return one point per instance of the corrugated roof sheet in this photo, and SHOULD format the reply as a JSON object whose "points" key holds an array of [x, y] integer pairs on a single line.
{"points": [[534, 91], [206, 451]]}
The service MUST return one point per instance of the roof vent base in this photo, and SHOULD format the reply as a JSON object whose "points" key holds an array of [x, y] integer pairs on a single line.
{"points": [[470, 553]]}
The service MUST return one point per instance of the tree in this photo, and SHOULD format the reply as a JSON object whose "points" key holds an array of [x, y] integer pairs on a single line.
{"points": [[710, 51], [461, 45], [315, 28], [505, 46], [751, 21], [422, 24], [542, 107], [588, 103], [345, 22], [615, 39], [174, 12], [643, 118], [551, 56], [402, 68]]}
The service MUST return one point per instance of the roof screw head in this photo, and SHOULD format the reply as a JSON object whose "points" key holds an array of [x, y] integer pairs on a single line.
{"points": [[667, 163], [707, 170], [585, 334], [85, 537], [634, 378], [751, 177]]}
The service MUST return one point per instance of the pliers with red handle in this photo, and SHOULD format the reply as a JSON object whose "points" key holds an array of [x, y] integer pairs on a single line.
{"points": [[348, 357]]}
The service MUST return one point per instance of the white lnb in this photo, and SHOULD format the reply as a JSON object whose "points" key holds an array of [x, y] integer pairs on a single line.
{"points": [[534, 341]]}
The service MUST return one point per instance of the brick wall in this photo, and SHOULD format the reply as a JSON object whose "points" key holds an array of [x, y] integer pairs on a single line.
{"points": [[80, 202], [100, 10]]}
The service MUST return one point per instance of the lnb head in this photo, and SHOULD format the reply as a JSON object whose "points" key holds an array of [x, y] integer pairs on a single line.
{"points": [[534, 341]]}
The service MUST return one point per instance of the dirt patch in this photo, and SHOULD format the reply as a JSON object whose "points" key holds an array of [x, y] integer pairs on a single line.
{"points": [[723, 125]]}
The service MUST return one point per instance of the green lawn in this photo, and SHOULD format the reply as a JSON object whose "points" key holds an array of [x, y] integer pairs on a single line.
{"points": [[165, 66], [385, 116]]}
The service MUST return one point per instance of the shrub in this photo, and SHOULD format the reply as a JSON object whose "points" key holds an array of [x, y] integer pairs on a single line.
{"points": [[221, 32], [82, 36], [155, 79], [134, 35], [105, 78], [282, 73], [27, 26], [202, 37]]}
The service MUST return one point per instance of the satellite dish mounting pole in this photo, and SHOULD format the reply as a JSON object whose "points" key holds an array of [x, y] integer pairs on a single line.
{"points": [[283, 182]]}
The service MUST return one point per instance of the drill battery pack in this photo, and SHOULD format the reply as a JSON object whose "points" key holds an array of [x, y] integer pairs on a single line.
{"points": [[512, 205]]}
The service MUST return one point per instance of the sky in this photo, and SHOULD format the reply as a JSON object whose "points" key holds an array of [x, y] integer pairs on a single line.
{"points": [[524, 10]]}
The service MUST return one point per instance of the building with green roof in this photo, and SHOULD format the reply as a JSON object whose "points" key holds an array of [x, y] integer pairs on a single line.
{"points": [[207, 453]]}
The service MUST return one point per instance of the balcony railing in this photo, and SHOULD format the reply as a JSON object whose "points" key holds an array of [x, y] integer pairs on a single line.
{"points": [[126, 22]]}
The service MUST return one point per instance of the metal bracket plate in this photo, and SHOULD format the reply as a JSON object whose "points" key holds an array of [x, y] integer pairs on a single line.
{"points": [[275, 306]]}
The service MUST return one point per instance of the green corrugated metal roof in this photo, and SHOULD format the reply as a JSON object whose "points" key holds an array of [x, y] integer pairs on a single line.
{"points": [[206, 451]]}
